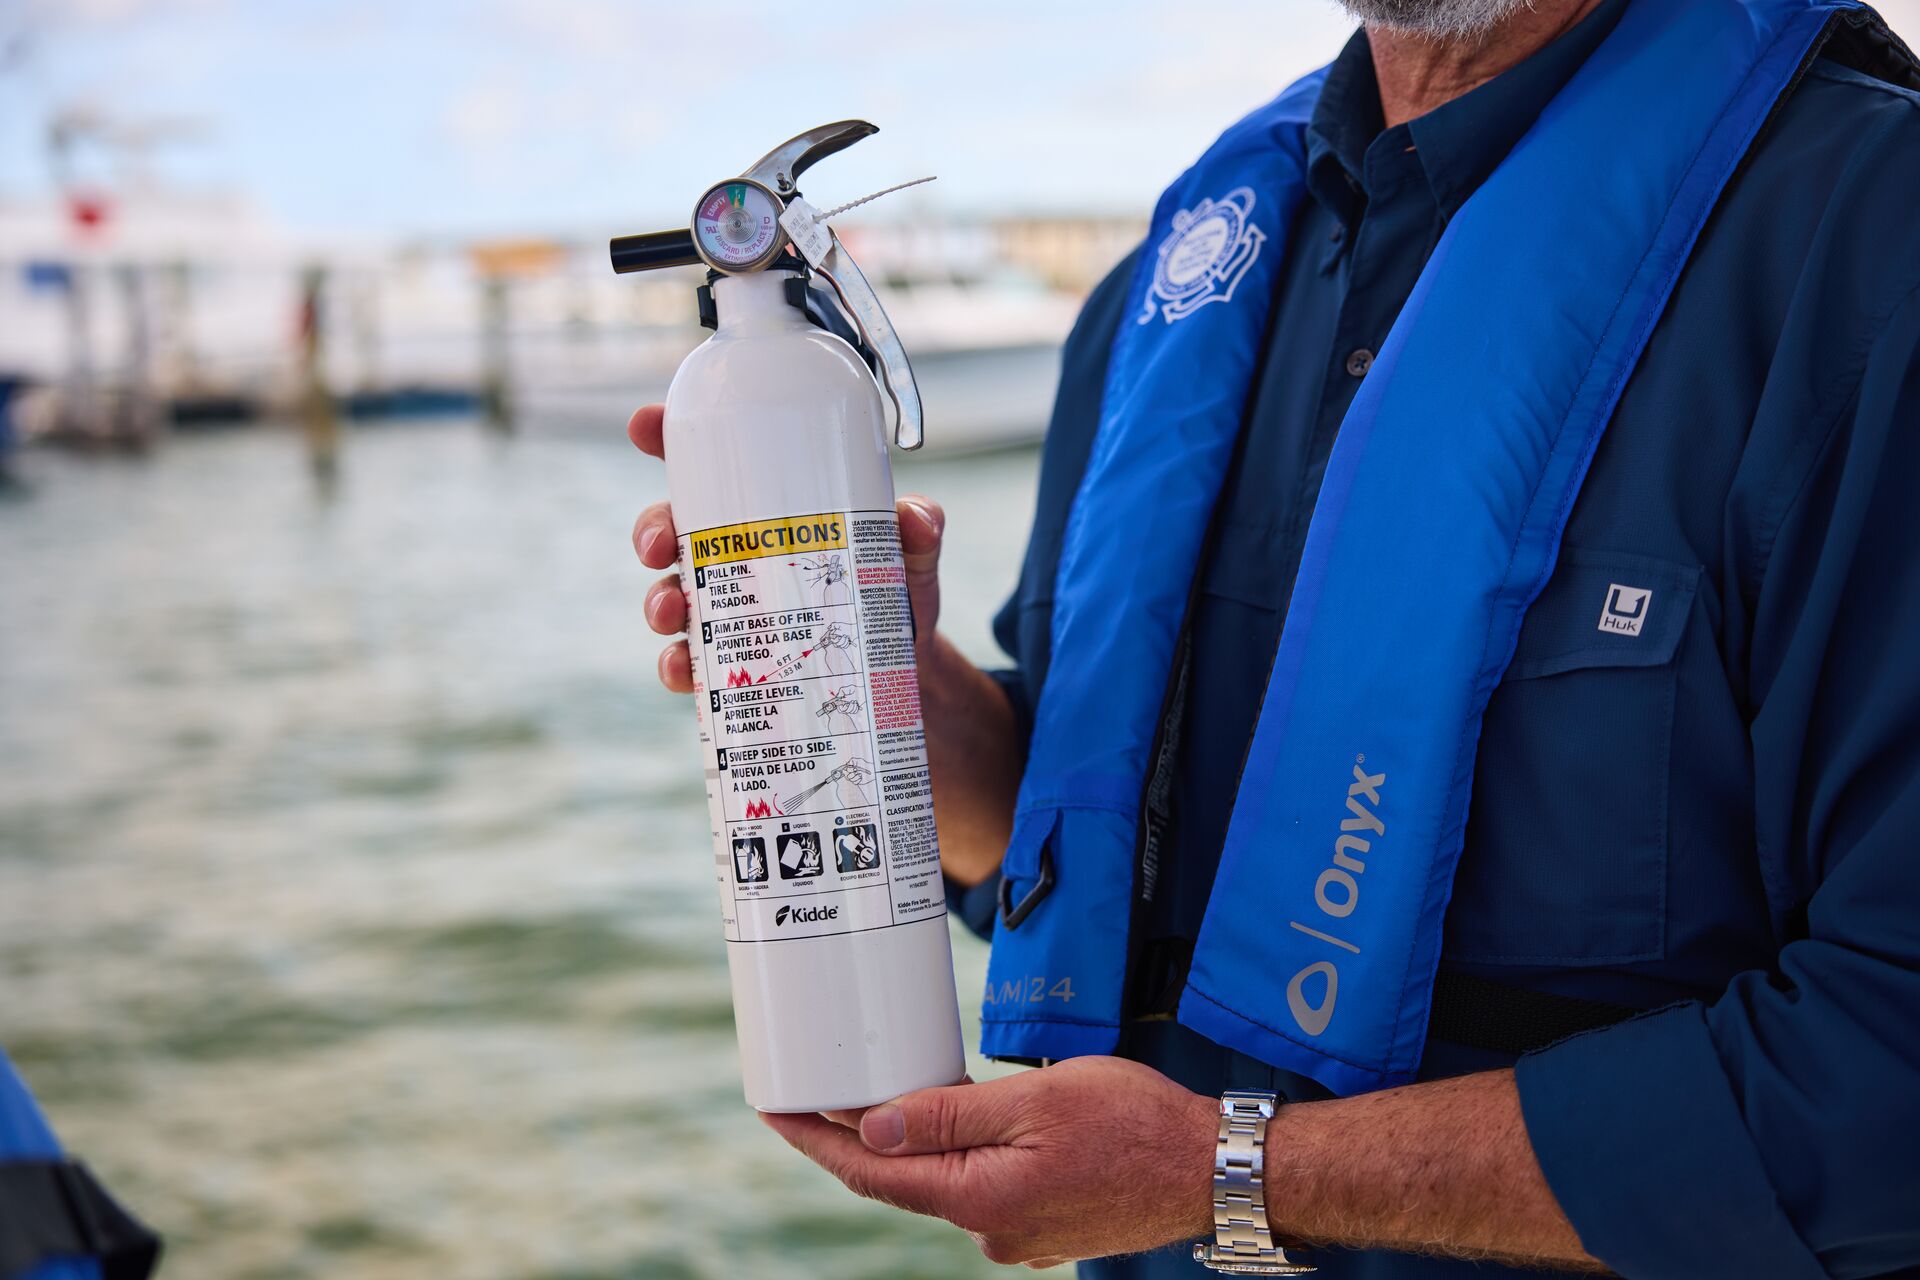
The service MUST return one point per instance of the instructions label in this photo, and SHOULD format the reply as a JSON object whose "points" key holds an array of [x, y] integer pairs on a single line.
{"points": [[817, 785]]}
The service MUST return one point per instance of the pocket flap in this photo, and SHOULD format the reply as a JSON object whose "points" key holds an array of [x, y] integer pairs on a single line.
{"points": [[1605, 609]]}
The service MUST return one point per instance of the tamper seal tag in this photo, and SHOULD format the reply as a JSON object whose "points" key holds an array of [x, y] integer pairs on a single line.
{"points": [[808, 231]]}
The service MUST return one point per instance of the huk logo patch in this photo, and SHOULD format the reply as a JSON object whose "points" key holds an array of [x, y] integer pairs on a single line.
{"points": [[1625, 612], [1204, 256]]}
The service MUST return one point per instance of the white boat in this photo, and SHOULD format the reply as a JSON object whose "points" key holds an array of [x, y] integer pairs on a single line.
{"points": [[985, 352], [198, 300]]}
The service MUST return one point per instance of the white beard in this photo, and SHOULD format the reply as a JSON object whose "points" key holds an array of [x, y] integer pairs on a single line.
{"points": [[1435, 19]]}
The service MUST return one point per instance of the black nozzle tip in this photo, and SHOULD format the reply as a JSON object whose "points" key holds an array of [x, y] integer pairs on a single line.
{"points": [[652, 251]]}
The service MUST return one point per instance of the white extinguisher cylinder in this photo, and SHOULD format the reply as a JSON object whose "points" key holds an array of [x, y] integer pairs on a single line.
{"points": [[801, 640]]}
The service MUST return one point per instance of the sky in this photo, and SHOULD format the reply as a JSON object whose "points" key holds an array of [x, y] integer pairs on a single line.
{"points": [[509, 117], [545, 116]]}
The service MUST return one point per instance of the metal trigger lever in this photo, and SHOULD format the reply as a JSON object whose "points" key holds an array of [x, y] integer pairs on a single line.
{"points": [[896, 374], [815, 241], [781, 167]]}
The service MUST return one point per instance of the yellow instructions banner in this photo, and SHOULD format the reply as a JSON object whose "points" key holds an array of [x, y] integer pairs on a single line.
{"points": [[768, 538]]}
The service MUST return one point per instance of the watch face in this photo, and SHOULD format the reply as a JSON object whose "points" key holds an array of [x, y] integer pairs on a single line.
{"points": [[737, 226]]}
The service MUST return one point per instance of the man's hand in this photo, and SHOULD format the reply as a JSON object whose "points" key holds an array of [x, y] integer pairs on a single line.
{"points": [[922, 523], [1086, 1158], [1099, 1156]]}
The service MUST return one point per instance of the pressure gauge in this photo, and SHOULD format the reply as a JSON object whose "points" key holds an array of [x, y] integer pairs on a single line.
{"points": [[736, 226]]}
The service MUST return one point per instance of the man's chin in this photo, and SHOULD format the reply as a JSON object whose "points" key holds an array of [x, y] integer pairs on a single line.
{"points": [[1434, 19]]}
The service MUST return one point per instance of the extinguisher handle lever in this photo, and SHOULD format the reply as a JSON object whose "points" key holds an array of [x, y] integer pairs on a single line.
{"points": [[781, 167], [876, 330]]}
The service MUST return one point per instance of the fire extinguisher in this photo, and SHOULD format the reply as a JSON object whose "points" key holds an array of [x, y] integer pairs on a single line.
{"points": [[801, 641]]}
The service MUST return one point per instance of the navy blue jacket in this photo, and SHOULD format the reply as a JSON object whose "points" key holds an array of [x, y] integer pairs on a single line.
{"points": [[1722, 826]]}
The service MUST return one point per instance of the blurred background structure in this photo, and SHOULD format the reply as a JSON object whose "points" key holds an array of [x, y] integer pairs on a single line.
{"points": [[356, 915]]}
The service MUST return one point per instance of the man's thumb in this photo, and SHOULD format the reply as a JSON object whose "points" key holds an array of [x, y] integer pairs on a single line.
{"points": [[946, 1119], [922, 523]]}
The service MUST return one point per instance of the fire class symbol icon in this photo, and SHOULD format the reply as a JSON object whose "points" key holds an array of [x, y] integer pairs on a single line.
{"points": [[856, 847], [750, 860], [800, 857]]}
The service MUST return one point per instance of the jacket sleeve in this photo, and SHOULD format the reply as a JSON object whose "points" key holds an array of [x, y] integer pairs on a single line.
{"points": [[1776, 1131]]}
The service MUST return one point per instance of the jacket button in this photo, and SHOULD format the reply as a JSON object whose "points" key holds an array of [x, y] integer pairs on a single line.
{"points": [[1359, 362]]}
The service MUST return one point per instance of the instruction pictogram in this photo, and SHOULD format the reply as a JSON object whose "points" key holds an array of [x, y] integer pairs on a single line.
{"points": [[835, 648], [827, 575], [849, 781], [750, 860], [841, 710], [800, 855], [856, 848]]}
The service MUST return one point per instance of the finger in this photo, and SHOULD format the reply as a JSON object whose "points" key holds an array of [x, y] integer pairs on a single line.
{"points": [[653, 536], [1009, 1250], [666, 606], [847, 1119], [917, 1185], [922, 525], [676, 668], [951, 1118], [850, 1118], [644, 429]]}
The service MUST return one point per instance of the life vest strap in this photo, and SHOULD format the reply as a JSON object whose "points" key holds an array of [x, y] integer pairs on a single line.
{"points": [[1482, 1014], [1473, 1012], [58, 1209]]}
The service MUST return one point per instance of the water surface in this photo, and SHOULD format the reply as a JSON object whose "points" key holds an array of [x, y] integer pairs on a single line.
{"points": [[355, 915]]}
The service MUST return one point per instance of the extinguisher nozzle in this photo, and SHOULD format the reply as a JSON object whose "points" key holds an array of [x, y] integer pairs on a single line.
{"points": [[652, 251]]}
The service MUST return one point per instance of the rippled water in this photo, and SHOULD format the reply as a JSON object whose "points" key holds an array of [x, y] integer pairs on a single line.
{"points": [[355, 915]]}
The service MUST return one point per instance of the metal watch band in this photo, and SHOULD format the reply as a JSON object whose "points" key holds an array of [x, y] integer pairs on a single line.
{"points": [[1242, 1241]]}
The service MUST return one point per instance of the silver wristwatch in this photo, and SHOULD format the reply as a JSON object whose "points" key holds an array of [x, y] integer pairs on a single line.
{"points": [[1242, 1242]]}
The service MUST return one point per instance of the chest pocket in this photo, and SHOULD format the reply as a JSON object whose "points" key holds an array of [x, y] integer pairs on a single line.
{"points": [[1566, 851]]}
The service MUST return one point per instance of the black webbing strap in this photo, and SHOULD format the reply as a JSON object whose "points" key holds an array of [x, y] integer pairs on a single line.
{"points": [[1481, 1014], [56, 1209], [1474, 1012]]}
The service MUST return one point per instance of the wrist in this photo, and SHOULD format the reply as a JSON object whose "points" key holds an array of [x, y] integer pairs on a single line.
{"points": [[975, 755], [1289, 1138], [1195, 1195], [1248, 1238], [946, 674]]}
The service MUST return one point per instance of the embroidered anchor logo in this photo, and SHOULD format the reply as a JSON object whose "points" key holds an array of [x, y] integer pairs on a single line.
{"points": [[1204, 257]]}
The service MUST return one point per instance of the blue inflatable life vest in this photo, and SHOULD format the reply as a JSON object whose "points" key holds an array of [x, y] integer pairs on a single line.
{"points": [[1437, 524], [56, 1222]]}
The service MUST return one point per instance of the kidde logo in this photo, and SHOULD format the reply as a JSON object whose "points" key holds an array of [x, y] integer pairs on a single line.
{"points": [[805, 915]]}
